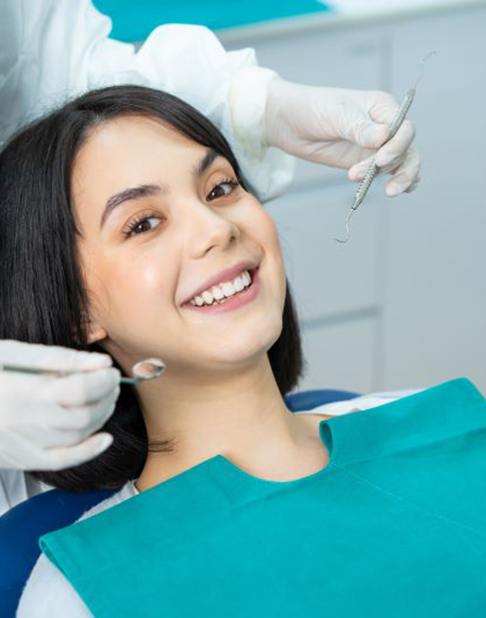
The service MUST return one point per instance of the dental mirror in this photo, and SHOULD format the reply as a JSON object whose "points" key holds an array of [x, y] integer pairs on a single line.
{"points": [[146, 369]]}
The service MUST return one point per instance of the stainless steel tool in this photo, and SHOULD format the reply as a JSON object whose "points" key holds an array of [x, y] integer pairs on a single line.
{"points": [[146, 369], [373, 169]]}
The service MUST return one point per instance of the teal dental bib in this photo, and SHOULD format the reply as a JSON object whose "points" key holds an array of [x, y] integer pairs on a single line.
{"points": [[394, 526]]}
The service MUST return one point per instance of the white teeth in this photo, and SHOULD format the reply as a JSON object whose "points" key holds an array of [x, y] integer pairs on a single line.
{"points": [[224, 290], [239, 283], [228, 289], [217, 292]]}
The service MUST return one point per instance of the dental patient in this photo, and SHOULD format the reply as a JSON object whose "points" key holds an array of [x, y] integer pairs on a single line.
{"points": [[128, 228]]}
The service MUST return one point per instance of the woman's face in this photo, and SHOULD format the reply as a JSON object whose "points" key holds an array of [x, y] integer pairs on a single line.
{"points": [[171, 227]]}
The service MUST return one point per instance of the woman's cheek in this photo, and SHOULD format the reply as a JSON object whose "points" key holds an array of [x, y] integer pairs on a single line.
{"points": [[270, 237], [150, 277]]}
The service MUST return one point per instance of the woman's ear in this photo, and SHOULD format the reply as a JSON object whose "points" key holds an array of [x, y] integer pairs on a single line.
{"points": [[92, 329], [95, 333]]}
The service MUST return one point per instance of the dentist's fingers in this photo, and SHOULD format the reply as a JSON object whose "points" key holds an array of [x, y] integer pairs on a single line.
{"points": [[85, 420], [53, 438], [385, 110], [406, 176], [357, 172], [45, 425], [81, 388], [405, 171], [70, 456], [51, 357], [397, 146], [388, 156], [67, 457], [413, 186]]}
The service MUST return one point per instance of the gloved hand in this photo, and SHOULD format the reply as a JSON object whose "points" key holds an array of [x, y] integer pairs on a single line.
{"points": [[46, 422], [342, 128]]}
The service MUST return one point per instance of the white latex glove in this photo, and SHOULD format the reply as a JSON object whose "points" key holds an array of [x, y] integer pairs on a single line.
{"points": [[46, 422], [342, 128]]}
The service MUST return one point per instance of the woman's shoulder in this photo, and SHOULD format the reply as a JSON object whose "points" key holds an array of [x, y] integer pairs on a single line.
{"points": [[47, 592], [127, 491]]}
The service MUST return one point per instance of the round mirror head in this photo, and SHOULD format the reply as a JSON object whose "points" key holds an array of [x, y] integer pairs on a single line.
{"points": [[148, 369]]}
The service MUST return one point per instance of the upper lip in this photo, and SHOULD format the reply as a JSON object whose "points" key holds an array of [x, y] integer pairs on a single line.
{"points": [[228, 274]]}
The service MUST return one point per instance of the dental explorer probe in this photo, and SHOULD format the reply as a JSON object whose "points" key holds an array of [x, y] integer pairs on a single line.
{"points": [[373, 169]]}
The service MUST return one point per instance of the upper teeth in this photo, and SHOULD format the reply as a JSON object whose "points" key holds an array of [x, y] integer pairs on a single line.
{"points": [[226, 289]]}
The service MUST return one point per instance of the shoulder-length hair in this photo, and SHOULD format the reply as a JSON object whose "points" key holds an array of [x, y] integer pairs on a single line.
{"points": [[43, 299]]}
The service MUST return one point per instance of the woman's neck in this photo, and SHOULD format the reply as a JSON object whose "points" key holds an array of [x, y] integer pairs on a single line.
{"points": [[242, 417]]}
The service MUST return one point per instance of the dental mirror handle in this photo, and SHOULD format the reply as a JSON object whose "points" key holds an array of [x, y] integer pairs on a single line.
{"points": [[59, 373]]}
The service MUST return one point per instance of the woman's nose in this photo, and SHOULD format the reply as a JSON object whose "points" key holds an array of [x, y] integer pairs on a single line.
{"points": [[207, 227]]}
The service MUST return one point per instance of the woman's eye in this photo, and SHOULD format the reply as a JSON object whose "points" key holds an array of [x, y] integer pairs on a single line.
{"points": [[141, 225], [219, 191]]}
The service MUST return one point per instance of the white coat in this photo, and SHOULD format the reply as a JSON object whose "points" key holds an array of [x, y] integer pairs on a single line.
{"points": [[52, 50]]}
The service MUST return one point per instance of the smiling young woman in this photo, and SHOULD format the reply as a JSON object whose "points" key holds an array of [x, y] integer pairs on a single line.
{"points": [[130, 206]]}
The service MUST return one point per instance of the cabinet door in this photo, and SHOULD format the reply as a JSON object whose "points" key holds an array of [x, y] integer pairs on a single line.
{"points": [[320, 58], [329, 279], [435, 303], [341, 356]]}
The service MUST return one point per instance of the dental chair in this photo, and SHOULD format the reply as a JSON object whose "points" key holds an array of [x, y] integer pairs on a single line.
{"points": [[22, 526]]}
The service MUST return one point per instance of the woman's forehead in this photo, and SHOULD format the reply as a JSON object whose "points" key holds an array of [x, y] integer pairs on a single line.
{"points": [[132, 150], [129, 135]]}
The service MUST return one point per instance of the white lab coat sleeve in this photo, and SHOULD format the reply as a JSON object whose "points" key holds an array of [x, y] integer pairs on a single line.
{"points": [[17, 486], [56, 49]]}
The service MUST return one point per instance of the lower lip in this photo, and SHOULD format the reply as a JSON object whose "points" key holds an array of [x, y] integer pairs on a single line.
{"points": [[234, 302]]}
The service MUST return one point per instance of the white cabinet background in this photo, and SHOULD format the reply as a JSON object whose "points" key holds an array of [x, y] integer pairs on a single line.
{"points": [[403, 303]]}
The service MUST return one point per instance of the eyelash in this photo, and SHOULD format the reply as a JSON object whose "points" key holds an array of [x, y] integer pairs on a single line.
{"points": [[132, 225]]}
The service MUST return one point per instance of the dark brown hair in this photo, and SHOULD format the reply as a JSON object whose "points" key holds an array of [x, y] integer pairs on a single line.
{"points": [[41, 288]]}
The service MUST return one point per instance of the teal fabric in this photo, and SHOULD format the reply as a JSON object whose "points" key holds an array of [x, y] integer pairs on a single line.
{"points": [[133, 21], [394, 526]]}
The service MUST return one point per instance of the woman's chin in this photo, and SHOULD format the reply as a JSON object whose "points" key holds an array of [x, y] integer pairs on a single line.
{"points": [[236, 349]]}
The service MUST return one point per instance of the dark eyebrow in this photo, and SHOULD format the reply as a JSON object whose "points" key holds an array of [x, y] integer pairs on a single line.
{"points": [[134, 193], [205, 162]]}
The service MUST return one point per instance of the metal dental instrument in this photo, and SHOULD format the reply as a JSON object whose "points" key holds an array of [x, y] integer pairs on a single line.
{"points": [[373, 169], [146, 369]]}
